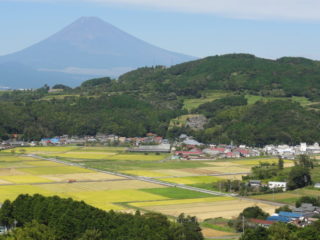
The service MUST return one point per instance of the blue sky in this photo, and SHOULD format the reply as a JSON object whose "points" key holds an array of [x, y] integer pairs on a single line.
{"points": [[266, 28]]}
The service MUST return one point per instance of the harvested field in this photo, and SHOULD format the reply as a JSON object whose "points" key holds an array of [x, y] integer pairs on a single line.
{"points": [[229, 169], [137, 157], [307, 192], [288, 197], [223, 164], [4, 182], [44, 164], [257, 161], [181, 201], [174, 173], [10, 172], [101, 149], [14, 165], [211, 233], [15, 158], [232, 177], [39, 150], [97, 186], [25, 179], [198, 171], [81, 177], [192, 180], [205, 210], [86, 155], [54, 170], [176, 193], [145, 173]]}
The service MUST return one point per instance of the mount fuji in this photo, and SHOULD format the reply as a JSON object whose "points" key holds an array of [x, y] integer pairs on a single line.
{"points": [[89, 47]]}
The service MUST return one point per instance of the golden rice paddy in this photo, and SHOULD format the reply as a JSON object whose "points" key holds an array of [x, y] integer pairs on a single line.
{"points": [[12, 191], [25, 179], [105, 191], [213, 209], [98, 186], [54, 170], [94, 176]]}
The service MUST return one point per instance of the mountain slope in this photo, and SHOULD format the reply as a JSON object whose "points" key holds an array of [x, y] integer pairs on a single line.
{"points": [[246, 100], [234, 72], [90, 46]]}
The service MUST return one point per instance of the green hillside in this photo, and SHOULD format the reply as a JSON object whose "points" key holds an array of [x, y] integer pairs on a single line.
{"points": [[245, 99]]}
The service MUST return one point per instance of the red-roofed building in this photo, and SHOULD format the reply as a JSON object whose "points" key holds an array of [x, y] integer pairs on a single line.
{"points": [[217, 149], [232, 155], [187, 154], [260, 222], [243, 152]]}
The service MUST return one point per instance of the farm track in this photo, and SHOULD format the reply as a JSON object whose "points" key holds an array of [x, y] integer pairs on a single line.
{"points": [[155, 181]]}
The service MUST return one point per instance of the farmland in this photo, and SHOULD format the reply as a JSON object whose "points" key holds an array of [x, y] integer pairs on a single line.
{"points": [[30, 174], [207, 96], [289, 197]]}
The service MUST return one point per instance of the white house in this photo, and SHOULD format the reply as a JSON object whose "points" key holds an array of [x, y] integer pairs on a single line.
{"points": [[303, 147], [317, 185], [274, 185]]}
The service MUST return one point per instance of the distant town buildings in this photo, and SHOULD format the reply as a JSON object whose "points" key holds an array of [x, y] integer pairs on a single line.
{"points": [[185, 147]]}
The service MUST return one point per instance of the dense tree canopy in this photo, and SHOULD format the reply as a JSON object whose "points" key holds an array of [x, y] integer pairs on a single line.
{"points": [[64, 219], [120, 114], [235, 72]]}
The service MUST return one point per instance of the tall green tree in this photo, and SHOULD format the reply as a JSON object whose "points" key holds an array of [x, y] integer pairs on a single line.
{"points": [[299, 177]]}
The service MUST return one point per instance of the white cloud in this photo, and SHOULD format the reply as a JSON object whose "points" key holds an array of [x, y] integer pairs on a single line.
{"points": [[251, 9]]}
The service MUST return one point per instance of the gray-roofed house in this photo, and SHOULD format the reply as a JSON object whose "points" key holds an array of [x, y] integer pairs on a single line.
{"points": [[255, 183], [164, 147], [307, 210], [192, 142]]}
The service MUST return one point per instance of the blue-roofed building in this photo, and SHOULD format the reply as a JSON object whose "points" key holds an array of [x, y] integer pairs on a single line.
{"points": [[55, 140], [46, 141], [291, 215], [278, 219]]}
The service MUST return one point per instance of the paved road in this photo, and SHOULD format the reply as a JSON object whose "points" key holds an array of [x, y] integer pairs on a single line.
{"points": [[156, 181]]}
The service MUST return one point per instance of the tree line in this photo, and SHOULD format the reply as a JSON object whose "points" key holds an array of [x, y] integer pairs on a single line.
{"points": [[53, 218]]}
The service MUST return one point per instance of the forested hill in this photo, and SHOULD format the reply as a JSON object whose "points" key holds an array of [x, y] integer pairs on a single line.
{"points": [[55, 218], [245, 99], [236, 72]]}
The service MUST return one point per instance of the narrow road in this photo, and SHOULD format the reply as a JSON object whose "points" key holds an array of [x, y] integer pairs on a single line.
{"points": [[156, 181]]}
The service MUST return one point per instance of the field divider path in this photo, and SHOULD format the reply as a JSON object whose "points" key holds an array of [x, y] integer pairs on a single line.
{"points": [[156, 181]]}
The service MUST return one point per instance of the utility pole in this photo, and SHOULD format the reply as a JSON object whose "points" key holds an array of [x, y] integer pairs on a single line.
{"points": [[273, 194], [242, 223]]}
